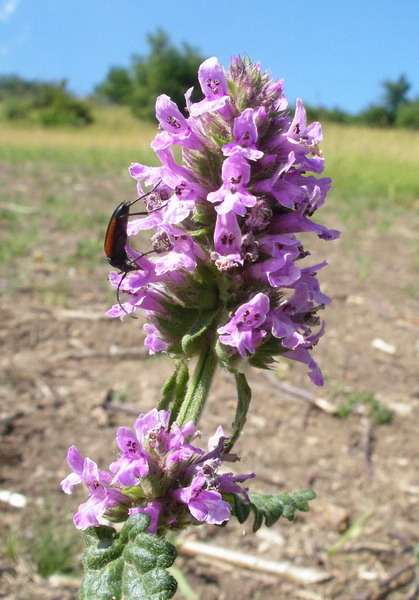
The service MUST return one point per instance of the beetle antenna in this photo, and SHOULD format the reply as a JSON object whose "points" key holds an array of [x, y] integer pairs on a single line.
{"points": [[133, 267], [146, 194]]}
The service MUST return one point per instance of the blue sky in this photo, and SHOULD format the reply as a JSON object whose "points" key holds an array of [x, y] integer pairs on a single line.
{"points": [[334, 53]]}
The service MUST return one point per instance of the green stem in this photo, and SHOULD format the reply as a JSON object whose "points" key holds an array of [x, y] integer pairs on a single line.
{"points": [[199, 386], [244, 395], [173, 392]]}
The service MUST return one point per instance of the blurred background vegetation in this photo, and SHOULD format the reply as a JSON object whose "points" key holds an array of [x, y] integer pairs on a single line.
{"points": [[171, 70]]}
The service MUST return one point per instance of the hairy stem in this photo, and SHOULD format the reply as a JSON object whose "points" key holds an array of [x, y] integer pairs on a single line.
{"points": [[244, 395], [199, 386]]}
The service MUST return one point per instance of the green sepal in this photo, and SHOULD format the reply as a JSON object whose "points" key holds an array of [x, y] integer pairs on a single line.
{"points": [[130, 565], [190, 341], [219, 140], [268, 508], [202, 232], [204, 215], [232, 88], [266, 353], [207, 163]]}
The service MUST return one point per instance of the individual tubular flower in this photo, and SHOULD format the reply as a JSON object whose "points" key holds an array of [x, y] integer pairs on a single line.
{"points": [[224, 222], [244, 331], [245, 137], [176, 128], [158, 473], [204, 505], [233, 195], [102, 498], [213, 84], [227, 242]]}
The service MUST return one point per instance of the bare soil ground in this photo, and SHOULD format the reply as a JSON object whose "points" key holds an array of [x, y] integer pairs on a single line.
{"points": [[65, 366]]}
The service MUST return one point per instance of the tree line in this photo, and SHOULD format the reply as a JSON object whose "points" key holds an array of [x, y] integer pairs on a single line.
{"points": [[170, 70], [393, 109]]}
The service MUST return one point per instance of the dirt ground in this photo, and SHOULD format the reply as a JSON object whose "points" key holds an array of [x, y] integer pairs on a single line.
{"points": [[70, 376]]}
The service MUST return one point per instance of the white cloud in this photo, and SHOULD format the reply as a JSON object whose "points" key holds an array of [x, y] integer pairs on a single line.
{"points": [[7, 8]]}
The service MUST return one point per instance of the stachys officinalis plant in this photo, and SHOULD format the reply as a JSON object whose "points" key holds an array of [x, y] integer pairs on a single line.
{"points": [[225, 283]]}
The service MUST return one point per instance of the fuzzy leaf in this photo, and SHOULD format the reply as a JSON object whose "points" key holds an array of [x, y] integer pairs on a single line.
{"points": [[130, 565], [270, 507]]}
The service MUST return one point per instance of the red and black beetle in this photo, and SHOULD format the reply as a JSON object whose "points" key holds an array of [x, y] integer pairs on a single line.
{"points": [[116, 238]]}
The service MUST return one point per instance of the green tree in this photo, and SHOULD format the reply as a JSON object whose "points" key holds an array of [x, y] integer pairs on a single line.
{"points": [[395, 94], [376, 115], [408, 115], [15, 86], [165, 70], [385, 112], [117, 87], [48, 103]]}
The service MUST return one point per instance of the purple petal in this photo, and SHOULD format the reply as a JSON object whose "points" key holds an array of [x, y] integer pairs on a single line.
{"points": [[170, 117], [212, 79], [69, 482], [210, 507], [153, 340], [246, 135], [75, 460]]}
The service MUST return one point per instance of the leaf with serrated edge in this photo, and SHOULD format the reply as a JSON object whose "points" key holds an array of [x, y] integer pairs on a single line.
{"points": [[269, 508], [130, 565]]}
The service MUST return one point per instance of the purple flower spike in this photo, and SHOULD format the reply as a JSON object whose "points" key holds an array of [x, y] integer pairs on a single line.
{"points": [[160, 474], [225, 213], [246, 135], [233, 195], [242, 331]]}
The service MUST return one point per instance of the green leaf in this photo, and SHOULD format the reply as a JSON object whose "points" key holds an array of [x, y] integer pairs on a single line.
{"points": [[269, 508], [130, 565]]}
